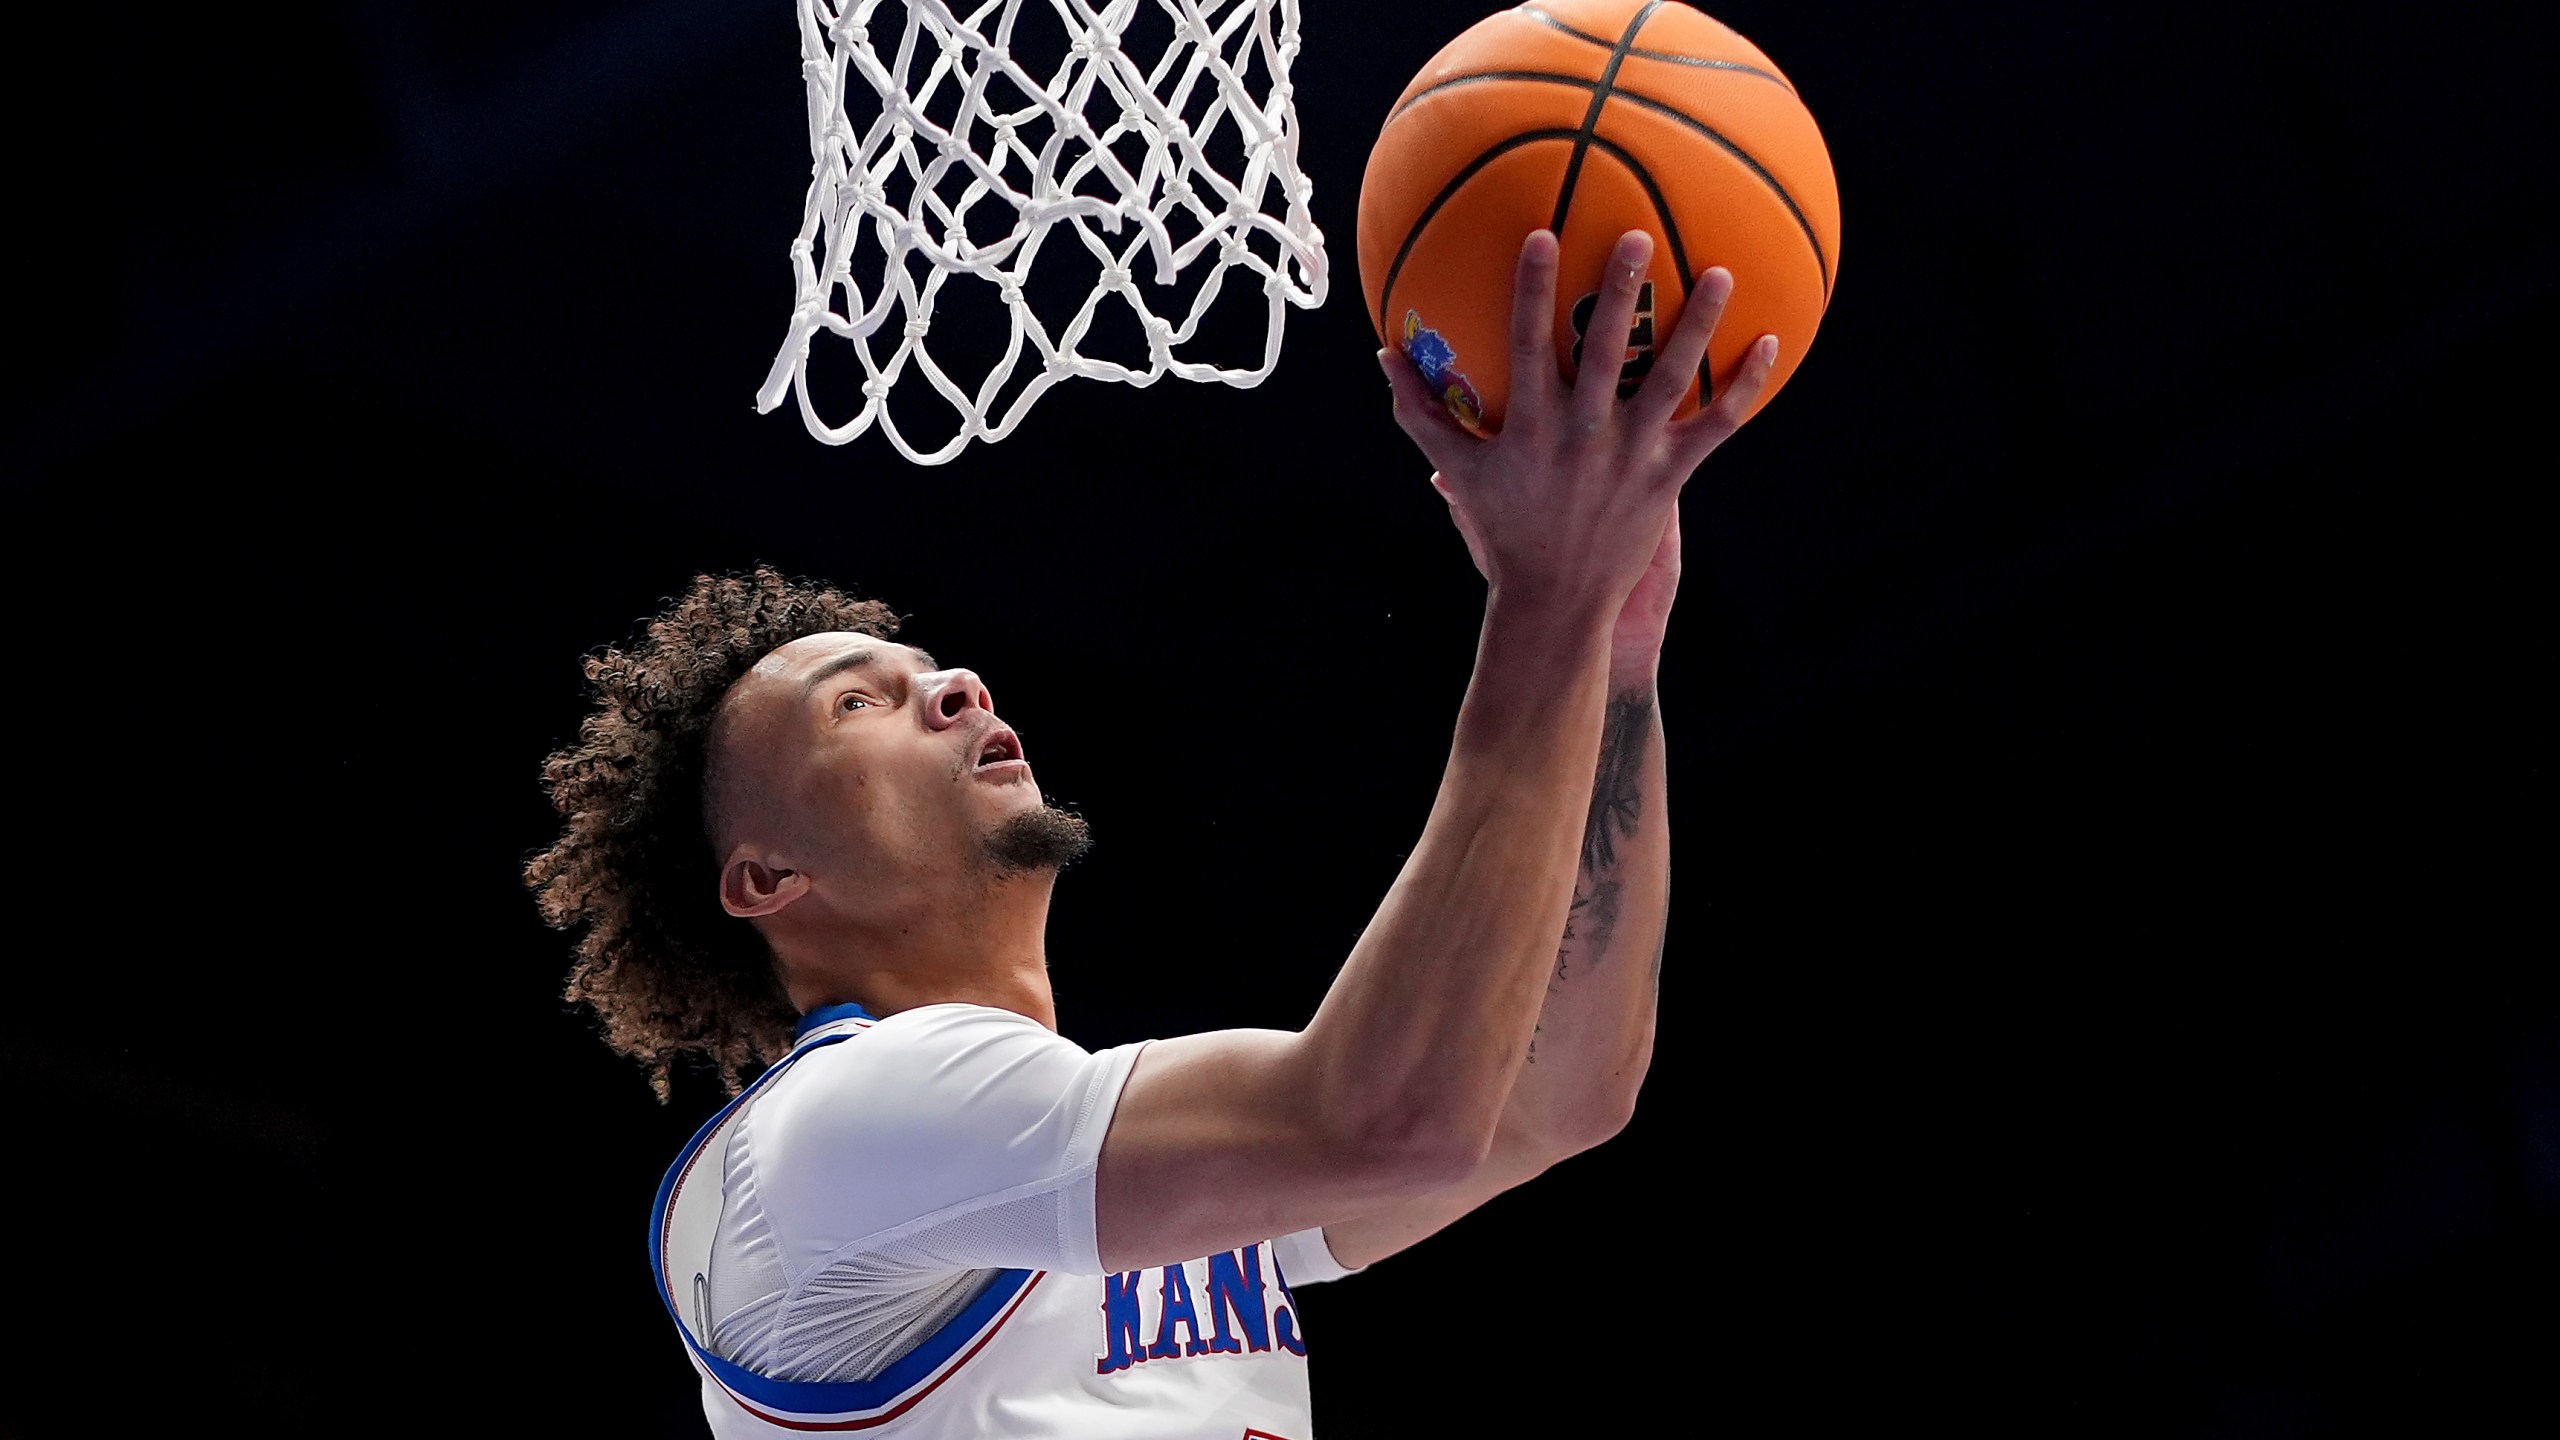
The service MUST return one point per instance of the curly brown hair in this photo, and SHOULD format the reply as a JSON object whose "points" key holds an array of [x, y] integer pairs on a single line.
{"points": [[664, 967]]}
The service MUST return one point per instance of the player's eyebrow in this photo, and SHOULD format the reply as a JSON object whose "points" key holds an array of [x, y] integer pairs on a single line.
{"points": [[853, 660]]}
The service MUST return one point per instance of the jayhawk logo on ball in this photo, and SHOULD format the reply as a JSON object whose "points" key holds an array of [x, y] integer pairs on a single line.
{"points": [[1438, 362]]}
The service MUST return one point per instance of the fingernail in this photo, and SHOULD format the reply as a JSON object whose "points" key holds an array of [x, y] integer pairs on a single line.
{"points": [[1768, 349]]}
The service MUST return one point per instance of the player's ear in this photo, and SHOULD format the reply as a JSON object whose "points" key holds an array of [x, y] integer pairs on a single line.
{"points": [[751, 885]]}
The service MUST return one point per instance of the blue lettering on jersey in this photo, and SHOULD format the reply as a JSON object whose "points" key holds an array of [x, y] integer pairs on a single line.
{"points": [[1284, 1319], [1237, 1291], [1243, 1313], [1176, 1309], [1119, 1323]]}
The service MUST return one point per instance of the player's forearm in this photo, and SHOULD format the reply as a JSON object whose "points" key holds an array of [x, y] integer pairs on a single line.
{"points": [[1418, 1044], [1594, 1036]]}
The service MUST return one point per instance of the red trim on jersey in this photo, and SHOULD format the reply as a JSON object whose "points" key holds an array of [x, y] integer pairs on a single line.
{"points": [[907, 1404]]}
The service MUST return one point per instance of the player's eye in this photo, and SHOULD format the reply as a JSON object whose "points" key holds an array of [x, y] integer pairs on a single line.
{"points": [[853, 702]]}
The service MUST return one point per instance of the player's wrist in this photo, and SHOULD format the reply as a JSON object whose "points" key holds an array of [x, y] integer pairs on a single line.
{"points": [[1635, 661], [1562, 610]]}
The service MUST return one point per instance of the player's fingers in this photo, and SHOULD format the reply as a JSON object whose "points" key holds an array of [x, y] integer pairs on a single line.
{"points": [[1683, 350], [1604, 338], [1423, 415], [1534, 377], [1697, 436], [1735, 405]]}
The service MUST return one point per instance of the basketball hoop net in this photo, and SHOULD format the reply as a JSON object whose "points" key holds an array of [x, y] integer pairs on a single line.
{"points": [[972, 164]]}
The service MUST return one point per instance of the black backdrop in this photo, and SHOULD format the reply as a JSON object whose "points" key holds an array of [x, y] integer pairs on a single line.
{"points": [[2109, 987]]}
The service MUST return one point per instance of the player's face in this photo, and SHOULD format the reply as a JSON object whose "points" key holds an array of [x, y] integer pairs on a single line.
{"points": [[891, 763]]}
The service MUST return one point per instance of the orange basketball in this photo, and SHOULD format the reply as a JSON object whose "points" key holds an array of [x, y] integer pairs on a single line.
{"points": [[1593, 118]]}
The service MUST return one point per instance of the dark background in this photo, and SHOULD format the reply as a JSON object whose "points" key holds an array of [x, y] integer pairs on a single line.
{"points": [[2109, 988]]}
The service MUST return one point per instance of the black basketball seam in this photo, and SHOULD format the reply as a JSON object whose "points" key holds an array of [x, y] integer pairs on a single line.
{"points": [[1702, 62], [1679, 255], [1591, 117], [1821, 261], [1457, 182], [1578, 81], [1661, 207]]}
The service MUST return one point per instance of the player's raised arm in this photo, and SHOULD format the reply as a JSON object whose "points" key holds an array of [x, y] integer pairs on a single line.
{"points": [[1395, 1090], [1594, 1036]]}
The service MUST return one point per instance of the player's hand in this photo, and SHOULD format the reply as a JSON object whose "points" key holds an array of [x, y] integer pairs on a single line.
{"points": [[1574, 498]]}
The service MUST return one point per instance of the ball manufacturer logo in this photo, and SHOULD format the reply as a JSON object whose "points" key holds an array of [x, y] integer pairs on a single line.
{"points": [[1639, 361], [1640, 351]]}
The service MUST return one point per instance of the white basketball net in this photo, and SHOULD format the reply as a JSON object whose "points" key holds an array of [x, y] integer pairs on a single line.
{"points": [[971, 165]]}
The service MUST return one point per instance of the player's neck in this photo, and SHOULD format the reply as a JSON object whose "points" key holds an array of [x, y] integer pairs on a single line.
{"points": [[992, 951]]}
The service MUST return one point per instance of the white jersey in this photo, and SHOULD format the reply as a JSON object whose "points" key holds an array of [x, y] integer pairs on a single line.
{"points": [[892, 1231]]}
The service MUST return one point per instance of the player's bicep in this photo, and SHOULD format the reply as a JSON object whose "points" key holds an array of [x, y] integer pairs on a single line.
{"points": [[1221, 1140]]}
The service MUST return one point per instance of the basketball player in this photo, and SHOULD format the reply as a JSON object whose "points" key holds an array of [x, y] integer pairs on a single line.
{"points": [[792, 838]]}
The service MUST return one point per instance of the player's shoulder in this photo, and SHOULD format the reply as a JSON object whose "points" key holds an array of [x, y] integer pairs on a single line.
{"points": [[919, 1111], [900, 1069], [943, 1027]]}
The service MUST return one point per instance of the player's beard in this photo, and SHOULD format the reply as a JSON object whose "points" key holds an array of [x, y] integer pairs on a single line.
{"points": [[1044, 839]]}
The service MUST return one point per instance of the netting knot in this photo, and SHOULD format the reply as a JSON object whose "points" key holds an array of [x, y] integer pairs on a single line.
{"points": [[1115, 279], [876, 388], [917, 327]]}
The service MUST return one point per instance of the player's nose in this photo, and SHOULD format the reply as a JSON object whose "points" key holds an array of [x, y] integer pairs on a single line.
{"points": [[951, 694]]}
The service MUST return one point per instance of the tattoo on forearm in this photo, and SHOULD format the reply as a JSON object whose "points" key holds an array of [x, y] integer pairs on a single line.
{"points": [[1617, 793], [1588, 925], [1617, 803]]}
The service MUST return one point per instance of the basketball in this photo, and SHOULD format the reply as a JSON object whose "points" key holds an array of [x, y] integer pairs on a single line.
{"points": [[1592, 118]]}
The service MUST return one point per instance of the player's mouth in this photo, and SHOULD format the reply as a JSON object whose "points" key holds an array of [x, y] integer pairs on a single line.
{"points": [[1000, 754]]}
